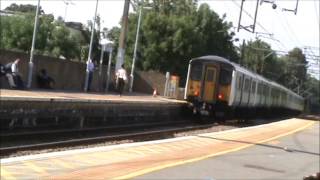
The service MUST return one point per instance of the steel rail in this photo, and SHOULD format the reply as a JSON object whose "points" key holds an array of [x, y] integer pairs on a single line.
{"points": [[89, 129], [4, 151]]}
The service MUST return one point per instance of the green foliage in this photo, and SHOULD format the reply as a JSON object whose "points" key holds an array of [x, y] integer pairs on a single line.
{"points": [[24, 8], [173, 32], [53, 37], [289, 70], [16, 32], [312, 94], [258, 56]]}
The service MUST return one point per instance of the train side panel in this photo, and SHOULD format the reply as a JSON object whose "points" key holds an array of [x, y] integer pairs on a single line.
{"points": [[216, 86]]}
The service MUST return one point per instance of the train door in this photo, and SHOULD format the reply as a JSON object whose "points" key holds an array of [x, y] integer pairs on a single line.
{"points": [[238, 93], [253, 93], [209, 83], [247, 88]]}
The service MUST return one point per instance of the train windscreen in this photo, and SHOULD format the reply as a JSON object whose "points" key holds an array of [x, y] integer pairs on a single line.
{"points": [[225, 76], [196, 71]]}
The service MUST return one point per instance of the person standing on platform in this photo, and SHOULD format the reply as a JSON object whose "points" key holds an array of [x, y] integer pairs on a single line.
{"points": [[90, 67], [121, 76], [13, 75]]}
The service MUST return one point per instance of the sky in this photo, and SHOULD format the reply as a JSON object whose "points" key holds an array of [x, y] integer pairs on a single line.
{"points": [[288, 30]]}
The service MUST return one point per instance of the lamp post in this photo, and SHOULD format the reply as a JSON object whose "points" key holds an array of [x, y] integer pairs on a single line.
{"points": [[135, 47], [66, 8], [109, 48], [32, 46], [86, 83], [103, 49]]}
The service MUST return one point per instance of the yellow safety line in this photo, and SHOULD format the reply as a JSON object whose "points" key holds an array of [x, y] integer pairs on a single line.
{"points": [[136, 152], [93, 159], [6, 174], [159, 148], [149, 149], [62, 163], [148, 170], [35, 167]]}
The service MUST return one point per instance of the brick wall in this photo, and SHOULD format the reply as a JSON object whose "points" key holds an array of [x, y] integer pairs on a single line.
{"points": [[68, 75], [146, 82]]}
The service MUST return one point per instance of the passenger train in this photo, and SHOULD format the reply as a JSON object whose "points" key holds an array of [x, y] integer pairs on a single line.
{"points": [[215, 86]]}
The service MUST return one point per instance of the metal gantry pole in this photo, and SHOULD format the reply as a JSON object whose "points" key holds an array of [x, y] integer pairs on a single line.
{"points": [[100, 66], [101, 60], [255, 17], [135, 50], [90, 49], [295, 11], [32, 46], [240, 15]]}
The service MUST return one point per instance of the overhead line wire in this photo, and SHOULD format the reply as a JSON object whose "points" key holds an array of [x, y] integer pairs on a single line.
{"points": [[292, 32], [249, 15]]}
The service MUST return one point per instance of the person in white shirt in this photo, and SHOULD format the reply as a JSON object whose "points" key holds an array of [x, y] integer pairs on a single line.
{"points": [[13, 75], [121, 76], [14, 67], [90, 69]]}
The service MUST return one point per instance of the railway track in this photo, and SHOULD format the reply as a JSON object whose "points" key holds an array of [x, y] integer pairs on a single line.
{"points": [[32, 142], [147, 132]]}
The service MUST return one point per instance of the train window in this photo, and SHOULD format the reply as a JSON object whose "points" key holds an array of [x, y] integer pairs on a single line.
{"points": [[265, 89], [196, 71], [260, 87], [253, 86], [210, 75], [246, 85], [239, 82], [225, 76]]}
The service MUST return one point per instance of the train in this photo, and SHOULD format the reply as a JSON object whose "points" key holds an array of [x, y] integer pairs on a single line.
{"points": [[215, 86]]}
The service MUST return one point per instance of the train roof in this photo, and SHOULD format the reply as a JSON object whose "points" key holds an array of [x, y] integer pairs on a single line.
{"points": [[239, 68]]}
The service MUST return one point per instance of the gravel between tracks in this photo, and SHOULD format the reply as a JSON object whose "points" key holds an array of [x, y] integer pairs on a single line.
{"points": [[214, 128]]}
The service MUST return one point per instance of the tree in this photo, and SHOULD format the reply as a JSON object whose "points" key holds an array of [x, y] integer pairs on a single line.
{"points": [[175, 31], [259, 57], [312, 94], [295, 72], [17, 32], [53, 37], [24, 8]]}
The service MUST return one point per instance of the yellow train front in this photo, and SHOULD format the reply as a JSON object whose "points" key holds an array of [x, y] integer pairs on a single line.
{"points": [[208, 85], [216, 86]]}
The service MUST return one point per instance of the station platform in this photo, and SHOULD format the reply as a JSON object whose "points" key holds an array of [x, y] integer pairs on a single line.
{"points": [[37, 95], [136, 159], [26, 108]]}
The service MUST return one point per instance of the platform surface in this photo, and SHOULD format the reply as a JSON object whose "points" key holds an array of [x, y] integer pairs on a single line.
{"points": [[136, 159], [40, 95], [290, 157]]}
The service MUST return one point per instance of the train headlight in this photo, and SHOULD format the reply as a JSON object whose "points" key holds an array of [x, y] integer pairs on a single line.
{"points": [[196, 93], [220, 96]]}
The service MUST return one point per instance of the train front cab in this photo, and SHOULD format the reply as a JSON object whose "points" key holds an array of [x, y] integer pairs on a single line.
{"points": [[208, 87]]}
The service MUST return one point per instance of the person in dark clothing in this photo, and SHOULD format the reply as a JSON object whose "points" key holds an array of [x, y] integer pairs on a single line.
{"points": [[90, 69], [2, 70], [44, 80]]}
